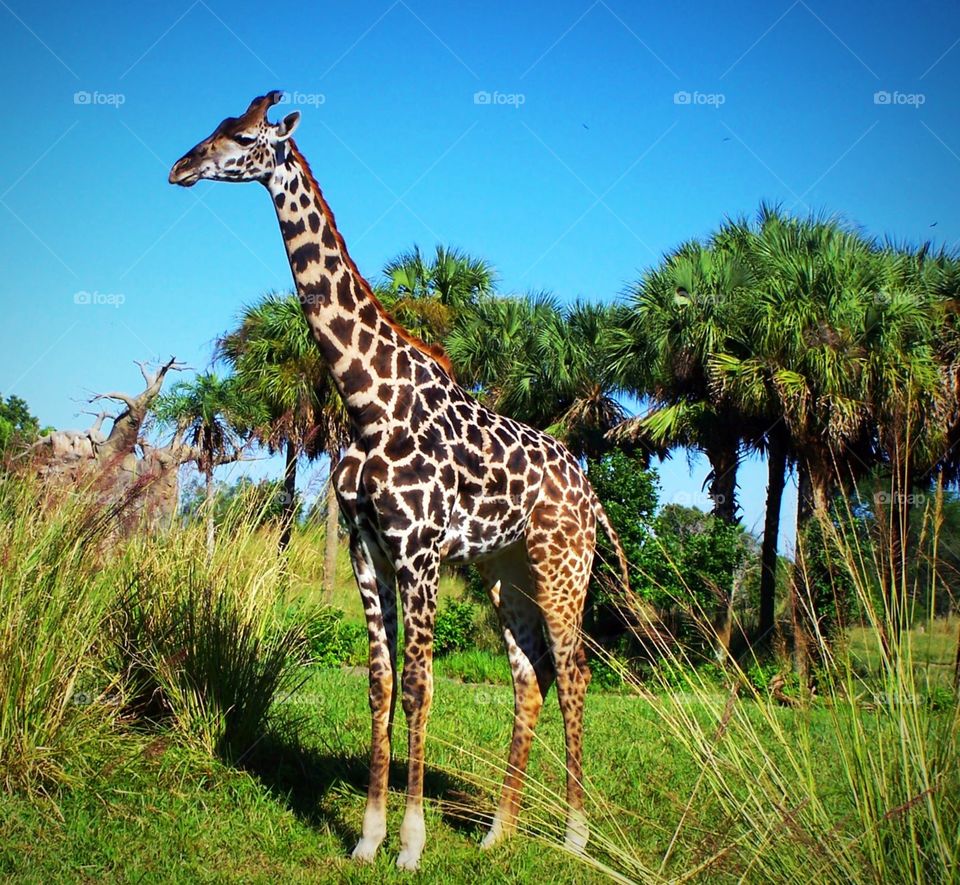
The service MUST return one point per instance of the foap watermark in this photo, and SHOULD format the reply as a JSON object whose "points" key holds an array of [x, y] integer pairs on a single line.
{"points": [[909, 499], [88, 698], [99, 99], [484, 698], [899, 99], [100, 299], [309, 99], [508, 99], [699, 99], [883, 297]]}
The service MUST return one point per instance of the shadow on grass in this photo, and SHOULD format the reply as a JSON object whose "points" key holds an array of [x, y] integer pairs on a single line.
{"points": [[301, 776]]}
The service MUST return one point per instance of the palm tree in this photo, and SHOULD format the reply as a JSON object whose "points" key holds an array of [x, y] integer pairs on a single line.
{"points": [[678, 316], [752, 382], [544, 364], [804, 363], [215, 416], [904, 387], [427, 296], [278, 364]]}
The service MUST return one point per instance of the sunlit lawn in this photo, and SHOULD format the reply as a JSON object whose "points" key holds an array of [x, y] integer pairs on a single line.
{"points": [[159, 811]]}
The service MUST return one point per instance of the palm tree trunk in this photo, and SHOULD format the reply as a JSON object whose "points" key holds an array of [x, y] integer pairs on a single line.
{"points": [[208, 508], [812, 623], [333, 522], [798, 584], [899, 530], [724, 460], [289, 496], [776, 480], [208, 458]]}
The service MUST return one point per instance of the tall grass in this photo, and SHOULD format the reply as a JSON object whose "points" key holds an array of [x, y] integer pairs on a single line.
{"points": [[203, 644], [54, 601], [99, 632], [852, 777], [857, 782]]}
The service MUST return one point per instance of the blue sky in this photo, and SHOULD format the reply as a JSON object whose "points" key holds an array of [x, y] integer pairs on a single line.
{"points": [[613, 131]]}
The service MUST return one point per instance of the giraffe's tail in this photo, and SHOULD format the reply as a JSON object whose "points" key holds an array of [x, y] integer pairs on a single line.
{"points": [[638, 615], [611, 533]]}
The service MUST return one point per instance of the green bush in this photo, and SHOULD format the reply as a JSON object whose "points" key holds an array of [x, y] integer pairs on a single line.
{"points": [[201, 646], [455, 627], [608, 672], [54, 599], [333, 641], [678, 556]]}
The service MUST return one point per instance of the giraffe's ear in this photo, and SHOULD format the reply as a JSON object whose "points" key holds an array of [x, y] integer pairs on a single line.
{"points": [[286, 126]]}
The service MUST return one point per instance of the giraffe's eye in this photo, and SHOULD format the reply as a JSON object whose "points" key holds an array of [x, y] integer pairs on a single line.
{"points": [[243, 139]]}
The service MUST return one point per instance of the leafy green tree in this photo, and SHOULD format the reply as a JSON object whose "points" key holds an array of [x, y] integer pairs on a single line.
{"points": [[680, 558], [18, 427], [542, 363], [427, 296], [794, 366], [217, 418], [678, 316], [263, 502], [277, 364], [907, 389]]}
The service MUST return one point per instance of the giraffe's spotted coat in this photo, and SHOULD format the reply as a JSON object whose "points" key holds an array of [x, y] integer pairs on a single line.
{"points": [[431, 474]]}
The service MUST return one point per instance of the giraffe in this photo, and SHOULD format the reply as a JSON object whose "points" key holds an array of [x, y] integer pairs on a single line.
{"points": [[431, 475]]}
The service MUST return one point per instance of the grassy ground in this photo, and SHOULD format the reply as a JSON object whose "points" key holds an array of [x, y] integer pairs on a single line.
{"points": [[700, 778], [933, 647], [159, 811]]}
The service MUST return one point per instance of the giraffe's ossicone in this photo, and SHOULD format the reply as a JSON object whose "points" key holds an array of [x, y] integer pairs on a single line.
{"points": [[431, 474]]}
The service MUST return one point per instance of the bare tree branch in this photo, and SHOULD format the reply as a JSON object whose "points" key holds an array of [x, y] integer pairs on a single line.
{"points": [[127, 400]]}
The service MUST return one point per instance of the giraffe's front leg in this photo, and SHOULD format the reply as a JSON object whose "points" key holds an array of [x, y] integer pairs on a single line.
{"points": [[374, 578], [418, 593]]}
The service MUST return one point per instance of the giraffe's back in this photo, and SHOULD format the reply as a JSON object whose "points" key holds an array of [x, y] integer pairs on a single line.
{"points": [[505, 470]]}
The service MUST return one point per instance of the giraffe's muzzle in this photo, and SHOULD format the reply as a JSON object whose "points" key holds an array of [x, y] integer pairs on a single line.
{"points": [[184, 172]]}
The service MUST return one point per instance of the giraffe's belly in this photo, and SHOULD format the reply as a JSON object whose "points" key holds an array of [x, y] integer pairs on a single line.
{"points": [[487, 528]]}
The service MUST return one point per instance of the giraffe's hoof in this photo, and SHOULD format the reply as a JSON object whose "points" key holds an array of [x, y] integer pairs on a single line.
{"points": [[408, 860], [578, 834], [495, 835], [365, 851]]}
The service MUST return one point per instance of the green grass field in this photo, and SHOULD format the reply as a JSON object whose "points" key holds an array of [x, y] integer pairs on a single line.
{"points": [[158, 811], [160, 721]]}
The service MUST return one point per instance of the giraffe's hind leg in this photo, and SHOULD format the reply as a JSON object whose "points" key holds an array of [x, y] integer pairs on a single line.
{"points": [[377, 591], [531, 665], [560, 546]]}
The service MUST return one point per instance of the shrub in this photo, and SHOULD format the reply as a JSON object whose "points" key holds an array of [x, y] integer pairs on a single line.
{"points": [[454, 628], [202, 645], [333, 641], [608, 672], [54, 599]]}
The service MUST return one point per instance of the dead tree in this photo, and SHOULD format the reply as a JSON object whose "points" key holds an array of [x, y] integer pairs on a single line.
{"points": [[121, 465]]}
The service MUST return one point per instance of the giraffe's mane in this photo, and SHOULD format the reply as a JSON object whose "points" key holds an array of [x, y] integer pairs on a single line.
{"points": [[434, 351]]}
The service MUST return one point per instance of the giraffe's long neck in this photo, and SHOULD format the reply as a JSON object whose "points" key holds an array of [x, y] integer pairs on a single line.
{"points": [[369, 354]]}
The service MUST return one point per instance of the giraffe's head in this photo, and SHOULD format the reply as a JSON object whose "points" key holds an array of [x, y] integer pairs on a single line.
{"points": [[240, 149]]}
